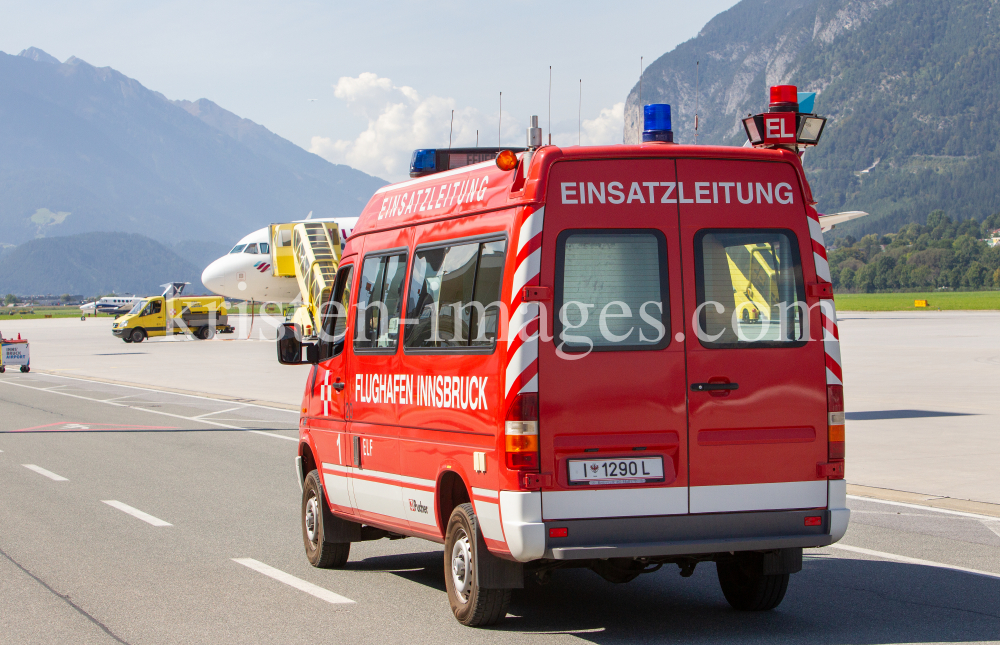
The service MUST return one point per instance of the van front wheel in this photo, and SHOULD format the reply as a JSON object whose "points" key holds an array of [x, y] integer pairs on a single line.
{"points": [[745, 585], [316, 519], [472, 605], [138, 335]]}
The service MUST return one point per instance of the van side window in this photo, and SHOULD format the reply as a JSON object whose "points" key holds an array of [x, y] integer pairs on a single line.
{"points": [[749, 288], [335, 315], [611, 290], [154, 307], [380, 300], [454, 296]]}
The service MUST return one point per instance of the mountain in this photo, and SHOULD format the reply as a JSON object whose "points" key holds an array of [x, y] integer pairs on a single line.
{"points": [[94, 263], [89, 149], [912, 91]]}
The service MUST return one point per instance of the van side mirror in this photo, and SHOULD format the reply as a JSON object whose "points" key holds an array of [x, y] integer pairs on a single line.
{"points": [[290, 347]]}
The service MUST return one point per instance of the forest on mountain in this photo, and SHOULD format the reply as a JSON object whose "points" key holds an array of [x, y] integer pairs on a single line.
{"points": [[941, 254], [911, 89]]}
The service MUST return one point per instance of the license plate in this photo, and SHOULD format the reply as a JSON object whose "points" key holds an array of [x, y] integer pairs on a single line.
{"points": [[625, 470]]}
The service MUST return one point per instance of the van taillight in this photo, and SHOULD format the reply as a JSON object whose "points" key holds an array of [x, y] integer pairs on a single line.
{"points": [[835, 420], [521, 433]]}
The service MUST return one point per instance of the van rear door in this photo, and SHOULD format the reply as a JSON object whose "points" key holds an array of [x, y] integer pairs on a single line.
{"points": [[756, 384], [612, 418]]}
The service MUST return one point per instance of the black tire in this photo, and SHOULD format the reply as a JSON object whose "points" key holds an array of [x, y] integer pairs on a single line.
{"points": [[138, 335], [745, 585], [25, 369], [2, 369], [472, 605], [316, 515], [207, 333], [127, 338]]}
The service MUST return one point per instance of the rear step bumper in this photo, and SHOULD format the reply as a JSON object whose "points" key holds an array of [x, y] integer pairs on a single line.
{"points": [[667, 535]]}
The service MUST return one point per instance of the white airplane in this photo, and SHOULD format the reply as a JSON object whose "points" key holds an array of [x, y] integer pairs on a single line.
{"points": [[245, 272], [110, 305], [827, 222]]}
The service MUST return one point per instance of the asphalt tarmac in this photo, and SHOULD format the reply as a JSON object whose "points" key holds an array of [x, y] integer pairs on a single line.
{"points": [[135, 516]]}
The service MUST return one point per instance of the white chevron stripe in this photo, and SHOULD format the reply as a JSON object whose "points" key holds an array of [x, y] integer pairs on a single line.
{"points": [[527, 270], [816, 230], [822, 268], [831, 378], [531, 227], [522, 316], [530, 386], [519, 362]]}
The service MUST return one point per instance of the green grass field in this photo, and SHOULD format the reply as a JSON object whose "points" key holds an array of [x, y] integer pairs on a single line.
{"points": [[943, 300], [18, 313]]}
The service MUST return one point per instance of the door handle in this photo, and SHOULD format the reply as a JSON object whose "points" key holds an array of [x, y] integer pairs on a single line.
{"points": [[339, 386], [712, 387]]}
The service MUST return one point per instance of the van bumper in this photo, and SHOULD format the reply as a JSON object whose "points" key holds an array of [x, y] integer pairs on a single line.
{"points": [[633, 537]]}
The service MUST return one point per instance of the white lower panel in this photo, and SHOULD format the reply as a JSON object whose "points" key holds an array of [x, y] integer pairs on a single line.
{"points": [[418, 506], [622, 502], [521, 517], [335, 486], [376, 497], [489, 520], [758, 497], [840, 515]]}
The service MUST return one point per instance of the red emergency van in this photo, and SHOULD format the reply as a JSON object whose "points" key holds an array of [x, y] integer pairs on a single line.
{"points": [[540, 362]]}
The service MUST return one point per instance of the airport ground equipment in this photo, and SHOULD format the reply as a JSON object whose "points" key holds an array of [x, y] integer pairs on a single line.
{"points": [[14, 352], [309, 252], [172, 313], [541, 362]]}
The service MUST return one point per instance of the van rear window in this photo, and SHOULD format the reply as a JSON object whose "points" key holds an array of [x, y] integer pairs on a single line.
{"points": [[454, 296], [611, 291], [749, 288]]}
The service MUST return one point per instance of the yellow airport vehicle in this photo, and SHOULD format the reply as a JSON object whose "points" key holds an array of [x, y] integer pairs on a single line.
{"points": [[171, 313]]}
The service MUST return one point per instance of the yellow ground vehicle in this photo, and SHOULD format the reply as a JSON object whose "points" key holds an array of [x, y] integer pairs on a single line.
{"points": [[170, 313]]}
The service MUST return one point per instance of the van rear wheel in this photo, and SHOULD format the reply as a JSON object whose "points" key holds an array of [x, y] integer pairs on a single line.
{"points": [[316, 517], [472, 605], [745, 585]]}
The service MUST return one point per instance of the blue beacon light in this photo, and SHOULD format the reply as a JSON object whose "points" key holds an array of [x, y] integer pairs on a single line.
{"points": [[656, 123], [423, 162]]}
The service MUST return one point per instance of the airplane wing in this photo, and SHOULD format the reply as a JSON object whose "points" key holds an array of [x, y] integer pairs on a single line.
{"points": [[829, 221]]}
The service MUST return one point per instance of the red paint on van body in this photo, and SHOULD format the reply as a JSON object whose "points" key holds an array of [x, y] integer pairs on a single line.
{"points": [[397, 463]]}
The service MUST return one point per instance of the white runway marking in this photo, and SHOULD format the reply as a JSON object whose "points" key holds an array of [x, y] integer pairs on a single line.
{"points": [[906, 560], [134, 512], [292, 581], [160, 412], [208, 414], [271, 434], [47, 473], [993, 525], [946, 511]]}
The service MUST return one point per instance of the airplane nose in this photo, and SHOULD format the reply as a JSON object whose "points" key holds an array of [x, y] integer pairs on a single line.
{"points": [[214, 278]]}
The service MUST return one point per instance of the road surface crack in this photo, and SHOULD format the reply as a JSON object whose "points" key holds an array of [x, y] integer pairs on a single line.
{"points": [[65, 598]]}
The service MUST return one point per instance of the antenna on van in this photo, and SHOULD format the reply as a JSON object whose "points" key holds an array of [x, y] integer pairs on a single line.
{"points": [[550, 105], [579, 118], [452, 129], [637, 126], [697, 65], [499, 122]]}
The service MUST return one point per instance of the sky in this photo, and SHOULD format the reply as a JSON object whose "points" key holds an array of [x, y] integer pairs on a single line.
{"points": [[364, 83]]}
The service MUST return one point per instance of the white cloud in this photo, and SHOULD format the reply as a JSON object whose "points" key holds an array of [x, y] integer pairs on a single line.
{"points": [[607, 128], [400, 121]]}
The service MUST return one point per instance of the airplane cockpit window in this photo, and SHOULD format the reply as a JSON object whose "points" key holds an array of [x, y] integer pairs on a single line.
{"points": [[265, 248], [251, 248], [237, 248]]}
